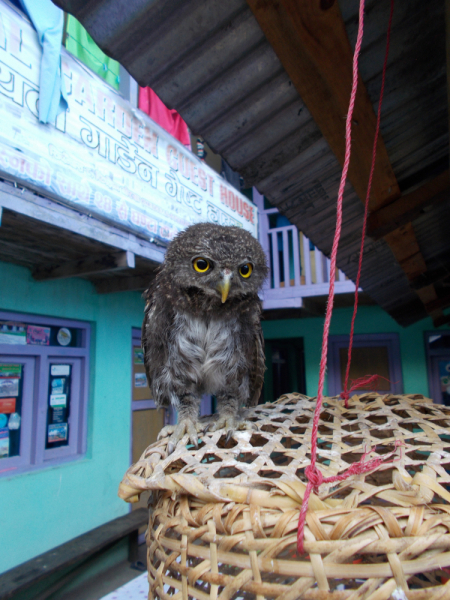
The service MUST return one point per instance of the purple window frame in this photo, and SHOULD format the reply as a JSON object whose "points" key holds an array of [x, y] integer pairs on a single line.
{"points": [[390, 340], [33, 454]]}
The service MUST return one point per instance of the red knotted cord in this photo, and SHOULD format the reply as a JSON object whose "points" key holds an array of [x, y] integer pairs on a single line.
{"points": [[368, 382], [315, 477], [346, 394]]}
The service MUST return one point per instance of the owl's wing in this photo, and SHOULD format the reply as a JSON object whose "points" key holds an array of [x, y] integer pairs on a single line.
{"points": [[149, 314], [258, 365], [155, 328]]}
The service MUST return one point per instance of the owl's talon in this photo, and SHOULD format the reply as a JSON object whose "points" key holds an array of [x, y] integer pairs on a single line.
{"points": [[177, 432], [231, 424]]}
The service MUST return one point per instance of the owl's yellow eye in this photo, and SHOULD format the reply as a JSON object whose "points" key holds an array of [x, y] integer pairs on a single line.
{"points": [[246, 270], [201, 265]]}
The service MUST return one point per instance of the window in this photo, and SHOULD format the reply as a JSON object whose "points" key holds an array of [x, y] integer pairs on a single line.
{"points": [[438, 359], [372, 354], [43, 390]]}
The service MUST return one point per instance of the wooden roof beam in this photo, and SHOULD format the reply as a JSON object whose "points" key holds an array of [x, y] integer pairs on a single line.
{"points": [[442, 320], [103, 263], [406, 208], [439, 303], [431, 277], [312, 44], [310, 39]]}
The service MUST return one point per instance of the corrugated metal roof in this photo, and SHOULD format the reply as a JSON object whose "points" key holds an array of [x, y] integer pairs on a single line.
{"points": [[210, 60]]}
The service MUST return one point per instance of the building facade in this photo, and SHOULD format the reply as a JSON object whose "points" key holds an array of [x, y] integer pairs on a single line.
{"points": [[89, 204]]}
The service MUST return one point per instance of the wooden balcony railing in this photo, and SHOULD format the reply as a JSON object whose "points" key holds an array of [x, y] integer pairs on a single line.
{"points": [[297, 269]]}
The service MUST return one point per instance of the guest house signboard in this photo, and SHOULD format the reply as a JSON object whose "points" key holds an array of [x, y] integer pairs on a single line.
{"points": [[102, 156]]}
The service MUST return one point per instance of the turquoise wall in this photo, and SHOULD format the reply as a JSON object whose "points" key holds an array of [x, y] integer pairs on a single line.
{"points": [[44, 508], [41, 509], [370, 319]]}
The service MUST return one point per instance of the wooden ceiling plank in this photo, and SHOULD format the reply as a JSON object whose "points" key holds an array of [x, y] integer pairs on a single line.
{"points": [[103, 263], [137, 283], [313, 46], [310, 39], [403, 244], [431, 277], [441, 320], [406, 208], [427, 295], [438, 303]]}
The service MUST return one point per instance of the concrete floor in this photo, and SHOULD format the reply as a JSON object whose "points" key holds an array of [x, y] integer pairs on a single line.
{"points": [[109, 581]]}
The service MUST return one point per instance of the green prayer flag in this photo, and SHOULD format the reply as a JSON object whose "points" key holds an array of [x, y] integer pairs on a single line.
{"points": [[81, 45]]}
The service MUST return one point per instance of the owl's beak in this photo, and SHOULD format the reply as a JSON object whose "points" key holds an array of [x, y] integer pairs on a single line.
{"points": [[224, 285]]}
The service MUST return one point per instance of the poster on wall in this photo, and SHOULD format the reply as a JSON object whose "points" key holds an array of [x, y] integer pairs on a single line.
{"points": [[7, 405], [4, 442], [57, 433], [140, 380], [58, 410], [38, 336], [141, 391], [102, 156], [11, 390], [9, 386], [138, 356], [13, 333]]}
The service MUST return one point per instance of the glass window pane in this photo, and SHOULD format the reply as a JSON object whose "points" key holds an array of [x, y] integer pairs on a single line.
{"points": [[58, 405], [439, 341], [141, 391], [11, 391]]}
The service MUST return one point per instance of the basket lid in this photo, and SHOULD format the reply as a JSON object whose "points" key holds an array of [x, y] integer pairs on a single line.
{"points": [[267, 465]]}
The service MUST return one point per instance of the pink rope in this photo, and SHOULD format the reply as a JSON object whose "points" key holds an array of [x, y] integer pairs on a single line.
{"points": [[367, 382], [346, 394], [315, 477]]}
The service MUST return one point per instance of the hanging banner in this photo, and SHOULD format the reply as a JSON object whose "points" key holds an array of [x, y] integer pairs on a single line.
{"points": [[102, 156]]}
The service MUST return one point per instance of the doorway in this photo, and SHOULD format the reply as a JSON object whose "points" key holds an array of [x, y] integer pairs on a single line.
{"points": [[438, 358], [146, 420], [373, 353], [285, 372]]}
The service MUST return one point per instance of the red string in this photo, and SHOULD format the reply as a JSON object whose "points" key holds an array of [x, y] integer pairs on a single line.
{"points": [[346, 394], [368, 382], [315, 477]]}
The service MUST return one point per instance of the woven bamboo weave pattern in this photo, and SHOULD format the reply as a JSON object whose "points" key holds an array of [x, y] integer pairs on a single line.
{"points": [[224, 516]]}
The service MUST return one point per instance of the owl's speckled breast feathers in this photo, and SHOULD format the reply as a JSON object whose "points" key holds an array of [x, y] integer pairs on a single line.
{"points": [[201, 331]]}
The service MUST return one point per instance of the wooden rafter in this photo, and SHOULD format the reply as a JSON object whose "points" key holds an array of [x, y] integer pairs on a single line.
{"points": [[91, 265], [310, 39], [442, 302], [406, 208], [313, 46], [431, 277]]}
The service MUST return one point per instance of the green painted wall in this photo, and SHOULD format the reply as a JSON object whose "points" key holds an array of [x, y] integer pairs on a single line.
{"points": [[44, 508], [370, 319]]}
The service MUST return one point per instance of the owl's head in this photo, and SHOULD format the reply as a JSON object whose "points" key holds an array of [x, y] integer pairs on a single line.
{"points": [[215, 265]]}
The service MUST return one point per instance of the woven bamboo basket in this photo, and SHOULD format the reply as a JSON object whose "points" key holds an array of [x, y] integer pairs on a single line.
{"points": [[223, 517]]}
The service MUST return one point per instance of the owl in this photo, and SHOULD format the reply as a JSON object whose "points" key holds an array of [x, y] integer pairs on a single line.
{"points": [[201, 332]]}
